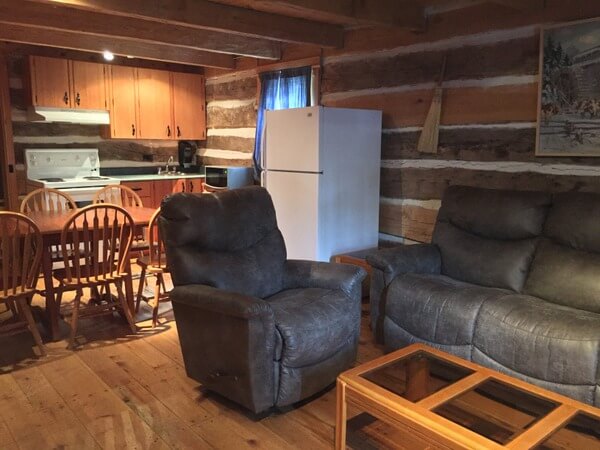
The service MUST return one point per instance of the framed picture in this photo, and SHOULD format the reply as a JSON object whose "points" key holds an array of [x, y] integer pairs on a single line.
{"points": [[569, 92]]}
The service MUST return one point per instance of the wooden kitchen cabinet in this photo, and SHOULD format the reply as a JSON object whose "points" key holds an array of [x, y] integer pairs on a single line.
{"points": [[144, 189], [50, 86], [62, 83], [194, 185], [155, 120], [88, 85], [123, 110], [189, 116]]}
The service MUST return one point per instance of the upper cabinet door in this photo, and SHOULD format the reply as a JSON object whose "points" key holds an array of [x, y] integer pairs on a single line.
{"points": [[189, 106], [154, 104], [88, 85], [50, 82], [123, 120]]}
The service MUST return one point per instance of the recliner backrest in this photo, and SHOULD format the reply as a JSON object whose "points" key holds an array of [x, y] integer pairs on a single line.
{"points": [[227, 240], [566, 266], [488, 237]]}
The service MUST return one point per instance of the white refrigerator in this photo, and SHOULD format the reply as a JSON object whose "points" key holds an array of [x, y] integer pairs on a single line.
{"points": [[321, 166]]}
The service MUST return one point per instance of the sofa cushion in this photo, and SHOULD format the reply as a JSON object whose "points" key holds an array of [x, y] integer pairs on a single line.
{"points": [[495, 214], [312, 324], [488, 262], [573, 220], [540, 339], [565, 276], [436, 308]]}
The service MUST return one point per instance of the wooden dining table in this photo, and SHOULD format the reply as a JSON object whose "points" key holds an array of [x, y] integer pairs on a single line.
{"points": [[51, 226]]}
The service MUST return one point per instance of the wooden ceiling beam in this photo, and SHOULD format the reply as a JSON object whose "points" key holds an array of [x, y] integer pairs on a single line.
{"points": [[213, 16], [521, 5], [393, 13], [81, 21], [89, 43]]}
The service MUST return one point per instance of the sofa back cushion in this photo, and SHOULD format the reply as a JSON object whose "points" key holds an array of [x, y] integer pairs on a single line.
{"points": [[228, 240], [488, 237], [566, 266]]}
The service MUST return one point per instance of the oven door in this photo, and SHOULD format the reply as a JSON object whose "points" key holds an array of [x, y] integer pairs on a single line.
{"points": [[83, 196]]}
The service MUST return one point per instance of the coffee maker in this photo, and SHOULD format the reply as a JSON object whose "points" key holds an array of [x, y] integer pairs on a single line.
{"points": [[187, 153]]}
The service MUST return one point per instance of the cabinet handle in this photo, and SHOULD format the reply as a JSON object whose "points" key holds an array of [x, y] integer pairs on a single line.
{"points": [[183, 186], [191, 186], [168, 131], [178, 131], [66, 98], [132, 129], [78, 99], [136, 189]]}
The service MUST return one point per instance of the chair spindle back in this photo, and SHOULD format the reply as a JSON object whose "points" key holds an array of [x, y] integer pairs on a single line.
{"points": [[20, 254], [118, 195], [47, 200]]}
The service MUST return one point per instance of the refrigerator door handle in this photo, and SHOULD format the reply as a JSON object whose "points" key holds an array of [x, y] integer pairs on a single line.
{"points": [[263, 144], [263, 178]]}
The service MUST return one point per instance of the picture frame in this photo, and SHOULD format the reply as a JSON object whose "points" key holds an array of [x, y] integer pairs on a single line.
{"points": [[568, 113]]}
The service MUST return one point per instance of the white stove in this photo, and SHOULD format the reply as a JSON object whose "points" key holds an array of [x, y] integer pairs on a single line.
{"points": [[75, 171]]}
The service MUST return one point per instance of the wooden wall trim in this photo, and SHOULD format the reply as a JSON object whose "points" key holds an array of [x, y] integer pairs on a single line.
{"points": [[7, 151]]}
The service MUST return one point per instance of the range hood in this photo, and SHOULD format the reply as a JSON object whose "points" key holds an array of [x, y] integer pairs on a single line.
{"points": [[83, 116]]}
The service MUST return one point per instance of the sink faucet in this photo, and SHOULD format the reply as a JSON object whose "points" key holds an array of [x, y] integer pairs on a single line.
{"points": [[169, 162]]}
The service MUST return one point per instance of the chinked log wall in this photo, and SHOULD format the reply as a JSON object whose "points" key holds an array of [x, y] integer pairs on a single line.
{"points": [[487, 136], [115, 153]]}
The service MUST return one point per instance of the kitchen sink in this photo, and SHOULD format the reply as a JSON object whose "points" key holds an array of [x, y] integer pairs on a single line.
{"points": [[171, 174]]}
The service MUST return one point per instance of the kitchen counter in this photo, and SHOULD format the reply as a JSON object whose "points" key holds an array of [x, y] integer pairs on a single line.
{"points": [[155, 177]]}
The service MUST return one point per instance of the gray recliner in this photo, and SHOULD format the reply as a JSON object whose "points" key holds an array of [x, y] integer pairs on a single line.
{"points": [[511, 280], [255, 327]]}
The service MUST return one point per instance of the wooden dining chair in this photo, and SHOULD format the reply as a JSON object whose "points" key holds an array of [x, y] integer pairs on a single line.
{"points": [[155, 263], [96, 242], [117, 194], [47, 200], [20, 259]]}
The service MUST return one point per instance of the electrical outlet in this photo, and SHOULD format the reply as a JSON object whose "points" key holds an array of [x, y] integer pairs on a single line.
{"points": [[148, 157]]}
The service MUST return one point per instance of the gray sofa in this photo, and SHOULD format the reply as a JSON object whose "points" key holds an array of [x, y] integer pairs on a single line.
{"points": [[255, 327], [511, 281]]}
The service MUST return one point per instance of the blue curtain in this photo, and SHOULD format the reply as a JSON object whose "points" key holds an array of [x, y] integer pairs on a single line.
{"points": [[280, 90]]}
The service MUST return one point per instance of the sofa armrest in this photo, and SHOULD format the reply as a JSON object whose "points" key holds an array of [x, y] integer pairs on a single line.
{"points": [[419, 258], [227, 340], [387, 264], [312, 274]]}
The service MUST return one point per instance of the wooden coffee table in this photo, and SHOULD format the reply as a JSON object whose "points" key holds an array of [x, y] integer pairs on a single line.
{"points": [[419, 397]]}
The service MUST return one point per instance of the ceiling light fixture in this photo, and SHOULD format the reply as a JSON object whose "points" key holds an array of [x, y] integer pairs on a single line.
{"points": [[109, 56]]}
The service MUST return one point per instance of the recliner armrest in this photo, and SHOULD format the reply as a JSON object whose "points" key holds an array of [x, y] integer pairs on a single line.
{"points": [[220, 301], [418, 258], [228, 343], [313, 274]]}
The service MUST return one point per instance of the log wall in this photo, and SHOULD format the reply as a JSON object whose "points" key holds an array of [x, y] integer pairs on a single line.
{"points": [[113, 152], [487, 135]]}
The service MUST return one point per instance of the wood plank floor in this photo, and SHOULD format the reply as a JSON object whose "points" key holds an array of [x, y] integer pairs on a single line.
{"points": [[124, 391]]}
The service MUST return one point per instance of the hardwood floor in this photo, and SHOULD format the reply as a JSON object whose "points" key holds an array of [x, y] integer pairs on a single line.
{"points": [[124, 391]]}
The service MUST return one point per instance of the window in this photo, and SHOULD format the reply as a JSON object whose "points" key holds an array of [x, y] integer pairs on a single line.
{"points": [[283, 89]]}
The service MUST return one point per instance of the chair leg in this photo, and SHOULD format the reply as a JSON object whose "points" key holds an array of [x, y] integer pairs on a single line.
{"points": [[156, 300], [138, 300], [75, 318], [26, 310], [125, 306]]}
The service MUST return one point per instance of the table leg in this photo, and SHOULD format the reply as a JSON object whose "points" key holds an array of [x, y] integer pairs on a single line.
{"points": [[51, 307], [340, 416]]}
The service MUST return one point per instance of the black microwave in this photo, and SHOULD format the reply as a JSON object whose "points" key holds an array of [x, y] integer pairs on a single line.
{"points": [[228, 177]]}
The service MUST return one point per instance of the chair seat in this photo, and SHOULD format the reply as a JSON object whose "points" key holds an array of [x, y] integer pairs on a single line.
{"points": [[540, 339], [144, 261], [436, 308], [311, 325], [61, 275]]}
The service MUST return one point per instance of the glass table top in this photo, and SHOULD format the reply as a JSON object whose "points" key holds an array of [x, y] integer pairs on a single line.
{"points": [[582, 431], [496, 410], [417, 375]]}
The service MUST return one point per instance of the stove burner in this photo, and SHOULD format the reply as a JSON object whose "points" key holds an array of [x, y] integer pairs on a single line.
{"points": [[95, 178], [52, 180]]}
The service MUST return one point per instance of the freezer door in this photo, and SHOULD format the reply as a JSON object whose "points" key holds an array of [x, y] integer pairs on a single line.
{"points": [[292, 140], [296, 200]]}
